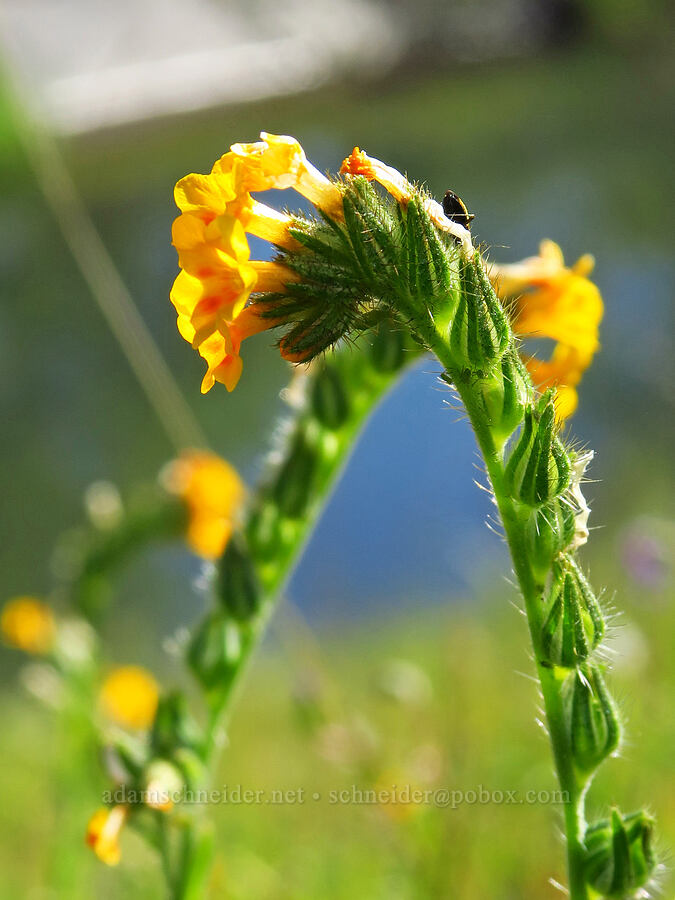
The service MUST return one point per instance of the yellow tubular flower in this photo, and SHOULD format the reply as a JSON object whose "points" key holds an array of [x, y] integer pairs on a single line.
{"points": [[214, 495], [359, 163], [218, 278], [553, 301], [278, 161], [28, 624], [129, 697], [103, 833]]}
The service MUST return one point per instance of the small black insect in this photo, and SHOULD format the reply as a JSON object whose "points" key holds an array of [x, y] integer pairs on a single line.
{"points": [[455, 210]]}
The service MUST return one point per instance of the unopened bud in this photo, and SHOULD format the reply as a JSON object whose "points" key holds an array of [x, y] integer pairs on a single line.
{"points": [[538, 469], [573, 624], [549, 531], [237, 585], [480, 330], [619, 855], [174, 726], [215, 651], [329, 398], [592, 719], [163, 783], [505, 394], [387, 347], [295, 481]]}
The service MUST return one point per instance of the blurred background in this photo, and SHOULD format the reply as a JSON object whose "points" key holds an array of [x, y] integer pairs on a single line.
{"points": [[550, 119]]}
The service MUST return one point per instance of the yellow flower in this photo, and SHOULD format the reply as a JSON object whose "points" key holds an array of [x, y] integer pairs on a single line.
{"points": [[218, 278], [129, 697], [553, 301], [278, 161], [359, 163], [213, 493], [28, 624], [103, 833]]}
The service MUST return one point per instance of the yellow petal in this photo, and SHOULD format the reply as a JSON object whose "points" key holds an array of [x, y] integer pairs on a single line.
{"points": [[205, 193]]}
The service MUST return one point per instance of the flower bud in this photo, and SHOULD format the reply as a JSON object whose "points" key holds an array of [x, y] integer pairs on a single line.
{"points": [[263, 531], [538, 469], [592, 719], [505, 395], [237, 583], [549, 531], [329, 399], [619, 855], [174, 726], [480, 330], [215, 650], [293, 488], [573, 624], [387, 347], [163, 783]]}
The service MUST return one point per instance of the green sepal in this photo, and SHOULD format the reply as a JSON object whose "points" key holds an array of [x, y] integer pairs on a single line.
{"points": [[237, 586], [263, 531], [549, 531], [538, 469], [480, 330], [329, 399], [174, 727], [215, 651], [619, 854], [294, 484], [505, 394], [387, 347], [573, 624], [592, 719]]}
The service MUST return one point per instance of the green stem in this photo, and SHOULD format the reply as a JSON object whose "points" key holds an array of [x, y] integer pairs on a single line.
{"points": [[551, 685], [289, 515], [365, 385]]}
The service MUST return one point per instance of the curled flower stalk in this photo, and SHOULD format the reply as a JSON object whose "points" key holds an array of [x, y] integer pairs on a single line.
{"points": [[378, 274], [157, 748], [371, 255]]}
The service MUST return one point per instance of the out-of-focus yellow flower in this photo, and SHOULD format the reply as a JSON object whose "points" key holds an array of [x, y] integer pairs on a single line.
{"points": [[359, 163], [103, 833], [129, 697], [214, 494], [550, 300], [28, 624]]}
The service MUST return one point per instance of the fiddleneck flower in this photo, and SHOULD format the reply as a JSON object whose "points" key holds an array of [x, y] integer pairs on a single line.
{"points": [[278, 161], [103, 833], [548, 299], [129, 697], [218, 278], [28, 624], [212, 491]]}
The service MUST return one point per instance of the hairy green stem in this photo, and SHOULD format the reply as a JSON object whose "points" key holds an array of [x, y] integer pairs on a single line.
{"points": [[551, 685]]}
